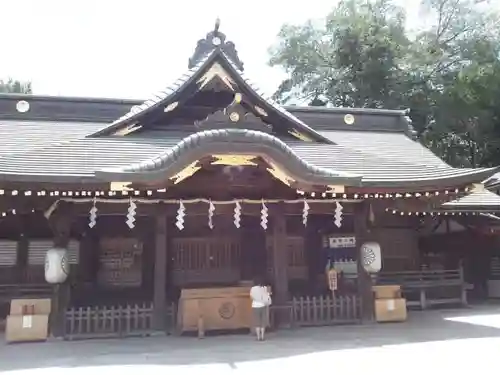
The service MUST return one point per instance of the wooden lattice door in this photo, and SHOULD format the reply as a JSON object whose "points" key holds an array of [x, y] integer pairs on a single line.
{"points": [[297, 265], [205, 260]]}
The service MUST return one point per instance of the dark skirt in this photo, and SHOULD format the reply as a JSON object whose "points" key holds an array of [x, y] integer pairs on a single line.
{"points": [[260, 317]]}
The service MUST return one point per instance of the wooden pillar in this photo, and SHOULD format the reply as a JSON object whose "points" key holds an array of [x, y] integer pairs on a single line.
{"points": [[364, 279], [160, 271], [280, 256], [61, 221]]}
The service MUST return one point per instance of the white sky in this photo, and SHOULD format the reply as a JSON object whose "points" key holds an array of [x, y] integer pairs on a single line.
{"points": [[132, 48]]}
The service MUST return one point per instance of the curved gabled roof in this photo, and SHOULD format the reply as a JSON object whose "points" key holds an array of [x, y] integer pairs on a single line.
{"points": [[174, 92], [228, 141]]}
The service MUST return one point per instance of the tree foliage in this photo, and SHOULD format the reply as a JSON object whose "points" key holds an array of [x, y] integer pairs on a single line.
{"points": [[446, 73], [14, 86]]}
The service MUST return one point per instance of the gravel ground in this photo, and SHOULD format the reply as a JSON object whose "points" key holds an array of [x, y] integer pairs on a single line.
{"points": [[454, 340]]}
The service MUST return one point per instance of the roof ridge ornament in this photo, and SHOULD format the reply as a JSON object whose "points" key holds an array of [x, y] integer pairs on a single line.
{"points": [[215, 40]]}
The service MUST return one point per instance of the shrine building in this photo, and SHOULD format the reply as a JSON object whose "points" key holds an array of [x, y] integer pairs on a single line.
{"points": [[209, 184]]}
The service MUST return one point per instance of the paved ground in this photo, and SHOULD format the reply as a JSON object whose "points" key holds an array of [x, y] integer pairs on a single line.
{"points": [[456, 341]]}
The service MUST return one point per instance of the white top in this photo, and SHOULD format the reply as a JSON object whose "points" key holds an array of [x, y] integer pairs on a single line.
{"points": [[260, 296]]}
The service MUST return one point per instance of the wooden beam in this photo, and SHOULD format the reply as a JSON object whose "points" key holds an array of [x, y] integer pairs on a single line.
{"points": [[60, 223], [365, 291], [160, 270], [280, 256]]}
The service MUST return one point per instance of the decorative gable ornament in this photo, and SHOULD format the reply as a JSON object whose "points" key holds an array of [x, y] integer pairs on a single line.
{"points": [[215, 40], [371, 256], [56, 266]]}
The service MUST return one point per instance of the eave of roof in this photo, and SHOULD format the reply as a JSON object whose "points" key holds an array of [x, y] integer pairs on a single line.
{"points": [[228, 141], [478, 198], [74, 158]]}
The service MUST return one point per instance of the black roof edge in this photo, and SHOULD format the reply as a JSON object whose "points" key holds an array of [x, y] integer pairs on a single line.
{"points": [[341, 110], [73, 99], [132, 102]]}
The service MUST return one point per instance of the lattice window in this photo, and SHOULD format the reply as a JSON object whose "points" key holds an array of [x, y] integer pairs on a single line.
{"points": [[205, 260], [8, 253], [205, 253]]}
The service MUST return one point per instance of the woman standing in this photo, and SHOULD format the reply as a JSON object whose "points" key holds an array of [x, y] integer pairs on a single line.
{"points": [[261, 300]]}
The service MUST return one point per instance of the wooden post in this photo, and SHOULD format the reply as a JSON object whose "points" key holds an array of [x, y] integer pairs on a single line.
{"points": [[61, 221], [280, 257], [364, 279], [160, 271]]}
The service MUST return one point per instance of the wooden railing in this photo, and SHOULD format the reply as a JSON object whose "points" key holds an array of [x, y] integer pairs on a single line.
{"points": [[428, 288], [108, 321], [114, 321], [317, 311]]}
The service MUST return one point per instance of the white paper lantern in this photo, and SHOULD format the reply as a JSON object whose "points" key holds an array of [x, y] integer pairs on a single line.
{"points": [[371, 256], [56, 266]]}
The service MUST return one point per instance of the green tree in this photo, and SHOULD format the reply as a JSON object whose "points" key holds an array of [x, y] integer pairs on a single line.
{"points": [[352, 60], [14, 86], [445, 73]]}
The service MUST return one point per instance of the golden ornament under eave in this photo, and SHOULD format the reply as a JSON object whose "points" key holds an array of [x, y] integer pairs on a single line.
{"points": [[280, 175], [234, 160], [187, 172]]}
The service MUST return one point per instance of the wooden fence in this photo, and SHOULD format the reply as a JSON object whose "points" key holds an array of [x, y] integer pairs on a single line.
{"points": [[317, 311], [428, 288], [108, 321]]}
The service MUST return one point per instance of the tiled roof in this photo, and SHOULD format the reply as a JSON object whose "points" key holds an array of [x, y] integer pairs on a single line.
{"points": [[476, 198], [209, 142], [160, 98], [78, 156], [168, 96]]}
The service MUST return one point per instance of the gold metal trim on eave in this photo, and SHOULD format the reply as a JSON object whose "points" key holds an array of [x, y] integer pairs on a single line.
{"points": [[300, 136], [128, 130], [234, 160], [187, 172], [120, 186], [216, 70], [279, 174], [335, 189]]}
